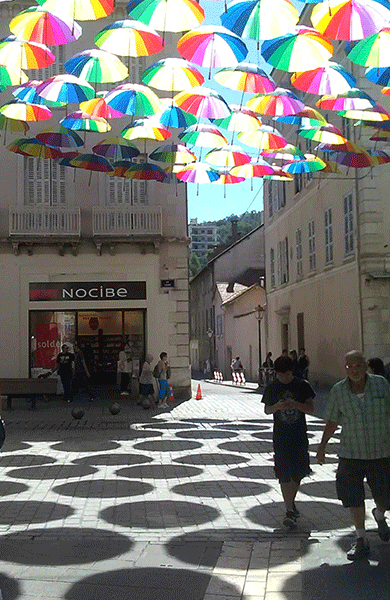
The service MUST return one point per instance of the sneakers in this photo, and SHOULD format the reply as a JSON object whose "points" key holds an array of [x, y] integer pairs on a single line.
{"points": [[163, 404], [383, 528], [296, 511], [290, 520], [359, 549]]}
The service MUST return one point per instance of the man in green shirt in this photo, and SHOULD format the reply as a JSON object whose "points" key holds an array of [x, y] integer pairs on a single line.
{"points": [[361, 405]]}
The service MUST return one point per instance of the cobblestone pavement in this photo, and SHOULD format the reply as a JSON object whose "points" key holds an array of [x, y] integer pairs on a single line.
{"points": [[159, 505]]}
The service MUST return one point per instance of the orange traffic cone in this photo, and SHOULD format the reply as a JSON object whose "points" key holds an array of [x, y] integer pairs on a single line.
{"points": [[171, 397], [198, 393]]}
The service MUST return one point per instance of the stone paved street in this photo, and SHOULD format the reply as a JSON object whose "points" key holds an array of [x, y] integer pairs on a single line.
{"points": [[169, 504]]}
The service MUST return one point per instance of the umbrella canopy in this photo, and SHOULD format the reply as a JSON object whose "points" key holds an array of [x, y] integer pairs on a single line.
{"points": [[358, 160], [257, 168], [129, 38], [20, 111], [20, 53], [289, 153], [331, 167], [36, 148], [116, 148], [97, 66], [263, 138], [198, 173], [15, 146], [306, 165], [308, 117], [80, 121], [173, 116], [146, 172], [202, 135], [280, 102], [11, 76], [302, 50], [240, 119], [380, 136], [65, 88], [376, 113], [279, 174], [227, 179], [38, 25], [354, 99], [372, 51], [228, 156], [133, 99], [167, 15], [98, 107], [83, 10], [245, 77], [60, 137], [92, 162], [326, 133], [255, 19], [203, 102], [145, 129], [379, 157], [212, 46], [172, 74], [173, 153], [120, 168], [350, 19], [379, 76], [331, 78], [27, 92], [13, 126]]}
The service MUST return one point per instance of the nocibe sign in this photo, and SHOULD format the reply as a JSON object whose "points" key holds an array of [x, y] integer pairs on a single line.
{"points": [[97, 291]]}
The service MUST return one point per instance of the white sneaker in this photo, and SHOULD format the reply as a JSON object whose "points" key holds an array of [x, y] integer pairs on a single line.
{"points": [[164, 404], [125, 394]]}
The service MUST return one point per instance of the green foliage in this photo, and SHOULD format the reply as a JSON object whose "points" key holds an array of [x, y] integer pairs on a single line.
{"points": [[194, 265], [246, 223]]}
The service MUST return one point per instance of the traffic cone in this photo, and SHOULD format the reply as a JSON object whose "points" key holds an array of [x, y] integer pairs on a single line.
{"points": [[171, 397], [198, 393]]}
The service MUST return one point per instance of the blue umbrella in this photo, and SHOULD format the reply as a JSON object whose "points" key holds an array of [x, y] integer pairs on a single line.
{"points": [[379, 76], [173, 116]]}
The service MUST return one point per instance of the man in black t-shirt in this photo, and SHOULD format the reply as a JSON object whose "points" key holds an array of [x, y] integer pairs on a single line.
{"points": [[65, 363], [288, 399]]}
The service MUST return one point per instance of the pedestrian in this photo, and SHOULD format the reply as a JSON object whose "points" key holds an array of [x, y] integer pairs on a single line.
{"points": [[146, 388], [65, 365], [124, 369], [163, 371], [288, 399], [268, 366], [294, 357], [303, 363], [376, 366], [81, 373], [360, 403]]}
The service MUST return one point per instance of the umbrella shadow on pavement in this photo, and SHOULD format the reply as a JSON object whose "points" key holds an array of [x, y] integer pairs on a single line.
{"points": [[31, 511], [103, 488], [10, 588], [206, 435], [220, 489]]}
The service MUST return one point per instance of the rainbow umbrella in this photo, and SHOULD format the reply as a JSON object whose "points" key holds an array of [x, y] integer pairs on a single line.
{"points": [[380, 136], [198, 173], [146, 172], [212, 46], [306, 165], [66, 157], [240, 119], [38, 25], [15, 146], [173, 116], [379, 157], [358, 160], [60, 138], [379, 76], [203, 102], [302, 50], [80, 121], [20, 111], [120, 168], [331, 167], [373, 51], [173, 153], [279, 174], [172, 74], [98, 107], [27, 92], [245, 77], [228, 156], [376, 113], [326, 134], [91, 162], [350, 19], [386, 91], [20, 53], [97, 66], [260, 19], [129, 38], [226, 178], [202, 135], [36, 148], [133, 99], [116, 148], [145, 129], [167, 15], [346, 147], [353, 99], [280, 102], [289, 153], [84, 10], [331, 78], [13, 126], [11, 76], [308, 117], [263, 138], [65, 88], [258, 168]]}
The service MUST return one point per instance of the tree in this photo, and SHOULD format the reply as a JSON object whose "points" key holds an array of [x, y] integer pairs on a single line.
{"points": [[194, 265]]}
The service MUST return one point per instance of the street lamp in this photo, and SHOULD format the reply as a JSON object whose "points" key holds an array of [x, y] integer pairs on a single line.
{"points": [[210, 334], [259, 313]]}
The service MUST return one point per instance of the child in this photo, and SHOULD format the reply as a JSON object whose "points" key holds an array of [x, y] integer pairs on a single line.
{"points": [[146, 389]]}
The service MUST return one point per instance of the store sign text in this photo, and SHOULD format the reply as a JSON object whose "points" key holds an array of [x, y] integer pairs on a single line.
{"points": [[118, 290]]}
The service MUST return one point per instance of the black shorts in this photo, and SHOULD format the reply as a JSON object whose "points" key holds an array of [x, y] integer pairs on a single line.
{"points": [[146, 389], [350, 476], [291, 465]]}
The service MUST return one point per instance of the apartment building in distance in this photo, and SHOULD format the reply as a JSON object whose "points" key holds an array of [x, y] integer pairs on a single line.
{"points": [[203, 237]]}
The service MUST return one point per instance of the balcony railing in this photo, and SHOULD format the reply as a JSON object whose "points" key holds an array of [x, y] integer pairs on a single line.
{"points": [[38, 221], [118, 221]]}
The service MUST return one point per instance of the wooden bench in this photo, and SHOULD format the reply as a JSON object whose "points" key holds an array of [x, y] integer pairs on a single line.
{"points": [[27, 388]]}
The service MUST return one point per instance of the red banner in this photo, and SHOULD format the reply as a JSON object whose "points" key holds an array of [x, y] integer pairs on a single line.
{"points": [[47, 345]]}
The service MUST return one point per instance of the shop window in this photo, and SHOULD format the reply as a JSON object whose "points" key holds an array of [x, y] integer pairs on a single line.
{"points": [[48, 331]]}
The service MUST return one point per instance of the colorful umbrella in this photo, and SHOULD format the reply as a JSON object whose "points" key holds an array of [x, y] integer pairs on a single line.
{"points": [[172, 74], [380, 136], [13, 126], [84, 10], [15, 146], [212, 46], [38, 25], [280, 102], [116, 148], [198, 173], [16, 52], [289, 152], [80, 121], [91, 162], [202, 135], [173, 116], [228, 156], [27, 92], [353, 99], [246, 77], [34, 147], [302, 50], [203, 102], [332, 78], [144, 129], [129, 38], [279, 174], [358, 160], [308, 117], [304, 166], [260, 19], [65, 88], [263, 138], [326, 133], [331, 167], [167, 15], [20, 111], [60, 138], [379, 76], [120, 168], [226, 178], [346, 147], [376, 113], [258, 168], [373, 51], [350, 19], [97, 66], [134, 99], [146, 172], [11, 76], [173, 153], [98, 107], [240, 119], [379, 157]]}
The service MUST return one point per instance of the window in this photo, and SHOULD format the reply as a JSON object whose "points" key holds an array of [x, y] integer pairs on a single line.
{"points": [[298, 239], [312, 246], [283, 271], [328, 236], [137, 66], [276, 196], [272, 266], [44, 182], [298, 182], [270, 201], [348, 225], [55, 68]]}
